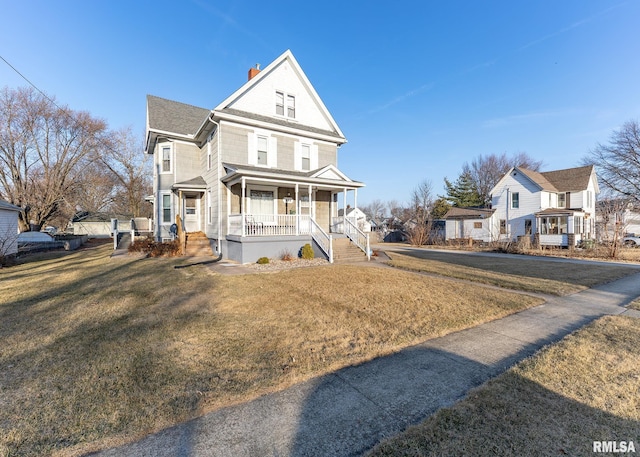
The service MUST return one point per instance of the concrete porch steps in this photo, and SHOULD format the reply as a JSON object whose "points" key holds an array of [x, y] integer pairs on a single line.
{"points": [[345, 251], [198, 245]]}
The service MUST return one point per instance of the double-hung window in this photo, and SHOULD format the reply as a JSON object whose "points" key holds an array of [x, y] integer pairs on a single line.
{"points": [[166, 159], [285, 105], [280, 103], [562, 200], [166, 209], [515, 200], [263, 150], [305, 151]]}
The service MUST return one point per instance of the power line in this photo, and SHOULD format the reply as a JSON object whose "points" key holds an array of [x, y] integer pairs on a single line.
{"points": [[30, 83]]}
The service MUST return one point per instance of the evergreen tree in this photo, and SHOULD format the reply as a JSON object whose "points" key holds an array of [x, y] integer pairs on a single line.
{"points": [[463, 192]]}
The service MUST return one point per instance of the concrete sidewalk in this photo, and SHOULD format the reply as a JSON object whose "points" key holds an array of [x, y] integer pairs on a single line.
{"points": [[348, 412]]}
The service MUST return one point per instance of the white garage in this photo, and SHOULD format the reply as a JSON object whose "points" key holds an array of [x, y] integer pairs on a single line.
{"points": [[8, 228]]}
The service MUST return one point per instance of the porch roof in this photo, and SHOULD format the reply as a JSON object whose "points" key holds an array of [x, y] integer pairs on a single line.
{"points": [[559, 212], [338, 180], [197, 183]]}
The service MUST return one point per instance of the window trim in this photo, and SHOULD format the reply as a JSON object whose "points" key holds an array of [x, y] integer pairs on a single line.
{"points": [[161, 159], [515, 200], [287, 105], [564, 199], [162, 208]]}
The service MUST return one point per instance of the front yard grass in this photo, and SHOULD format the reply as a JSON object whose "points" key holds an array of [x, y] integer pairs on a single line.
{"points": [[96, 351], [635, 304], [514, 272], [558, 402]]}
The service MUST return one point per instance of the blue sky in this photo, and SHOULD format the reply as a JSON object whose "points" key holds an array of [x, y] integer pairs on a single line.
{"points": [[418, 87]]}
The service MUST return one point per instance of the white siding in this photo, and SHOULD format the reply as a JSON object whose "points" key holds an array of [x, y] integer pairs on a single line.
{"points": [[8, 232], [531, 200]]}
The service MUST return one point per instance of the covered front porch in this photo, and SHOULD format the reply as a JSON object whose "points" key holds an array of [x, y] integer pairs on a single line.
{"points": [[563, 227], [275, 204]]}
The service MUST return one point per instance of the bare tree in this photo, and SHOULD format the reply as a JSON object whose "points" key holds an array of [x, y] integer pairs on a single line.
{"points": [[618, 162], [419, 225], [375, 210], [612, 222], [44, 151], [486, 171], [130, 170]]}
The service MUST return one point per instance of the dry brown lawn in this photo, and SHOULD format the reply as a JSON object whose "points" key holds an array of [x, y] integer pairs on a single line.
{"points": [[635, 304], [98, 351], [514, 272], [558, 402]]}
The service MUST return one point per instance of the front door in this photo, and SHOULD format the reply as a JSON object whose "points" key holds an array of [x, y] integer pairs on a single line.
{"points": [[191, 213]]}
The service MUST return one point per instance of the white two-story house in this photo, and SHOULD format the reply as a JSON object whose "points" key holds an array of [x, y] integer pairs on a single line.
{"points": [[258, 173], [554, 208]]}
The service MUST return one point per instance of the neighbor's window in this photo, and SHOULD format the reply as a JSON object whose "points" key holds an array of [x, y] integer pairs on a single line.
{"points": [[166, 209], [306, 157], [263, 150], [477, 225], [515, 200], [280, 103], [562, 200], [166, 159], [528, 223], [503, 227]]}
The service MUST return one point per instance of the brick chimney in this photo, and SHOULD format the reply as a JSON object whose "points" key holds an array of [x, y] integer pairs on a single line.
{"points": [[254, 71]]}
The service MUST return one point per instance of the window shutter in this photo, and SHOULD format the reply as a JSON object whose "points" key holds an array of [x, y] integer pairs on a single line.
{"points": [[314, 157], [272, 156], [297, 156], [252, 157]]}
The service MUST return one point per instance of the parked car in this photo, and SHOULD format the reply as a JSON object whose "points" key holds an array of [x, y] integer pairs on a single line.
{"points": [[631, 241]]}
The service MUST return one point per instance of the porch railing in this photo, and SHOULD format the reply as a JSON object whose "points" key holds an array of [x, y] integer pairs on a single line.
{"points": [[357, 236], [269, 224], [322, 239]]}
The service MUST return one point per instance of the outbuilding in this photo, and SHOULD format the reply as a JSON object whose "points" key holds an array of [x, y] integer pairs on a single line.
{"points": [[8, 228]]}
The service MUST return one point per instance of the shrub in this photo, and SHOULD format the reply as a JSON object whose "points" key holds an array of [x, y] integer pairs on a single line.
{"points": [[155, 248], [286, 255], [307, 252], [263, 260]]}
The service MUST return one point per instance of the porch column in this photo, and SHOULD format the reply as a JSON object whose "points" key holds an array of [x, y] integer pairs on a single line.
{"points": [[355, 198], [243, 203], [297, 210], [311, 214], [344, 210]]}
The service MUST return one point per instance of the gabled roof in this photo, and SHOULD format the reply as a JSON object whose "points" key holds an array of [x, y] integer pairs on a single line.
{"points": [[570, 179], [567, 180], [174, 117], [226, 106]]}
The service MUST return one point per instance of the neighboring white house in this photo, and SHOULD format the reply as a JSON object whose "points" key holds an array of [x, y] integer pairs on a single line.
{"points": [[257, 173], [356, 215], [8, 228], [556, 208], [553, 208]]}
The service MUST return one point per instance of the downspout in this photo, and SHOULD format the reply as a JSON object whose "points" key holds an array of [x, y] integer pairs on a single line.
{"points": [[218, 197]]}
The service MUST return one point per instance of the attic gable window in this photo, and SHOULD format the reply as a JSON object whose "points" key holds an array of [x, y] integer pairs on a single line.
{"points": [[285, 105]]}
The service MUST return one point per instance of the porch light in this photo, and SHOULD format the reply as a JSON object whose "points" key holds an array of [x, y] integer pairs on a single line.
{"points": [[286, 201]]}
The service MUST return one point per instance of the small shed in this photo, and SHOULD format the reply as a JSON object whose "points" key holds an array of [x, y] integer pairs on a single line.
{"points": [[8, 228]]}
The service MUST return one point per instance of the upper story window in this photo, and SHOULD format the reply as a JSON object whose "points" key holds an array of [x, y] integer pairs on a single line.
{"points": [[562, 200], [306, 157], [285, 105], [515, 200], [263, 150], [166, 159]]}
